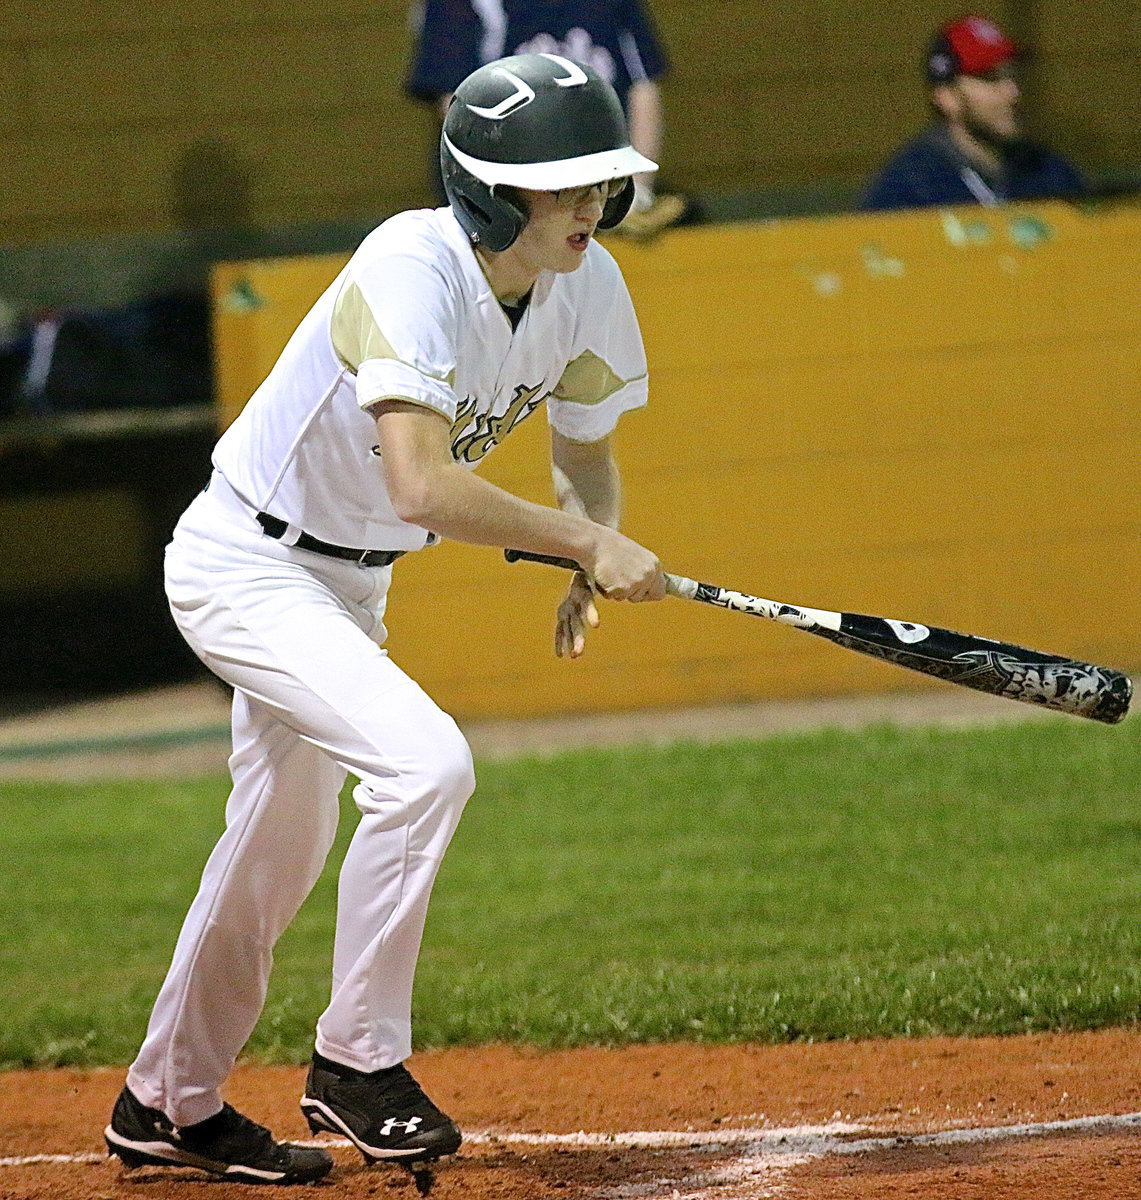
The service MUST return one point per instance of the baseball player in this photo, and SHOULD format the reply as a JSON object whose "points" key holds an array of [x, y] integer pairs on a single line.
{"points": [[446, 328]]}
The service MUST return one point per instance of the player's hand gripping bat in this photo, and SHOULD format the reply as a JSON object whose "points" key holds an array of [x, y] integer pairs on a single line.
{"points": [[1002, 669]]}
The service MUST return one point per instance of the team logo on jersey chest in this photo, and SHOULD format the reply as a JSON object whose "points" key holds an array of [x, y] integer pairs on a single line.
{"points": [[471, 442]]}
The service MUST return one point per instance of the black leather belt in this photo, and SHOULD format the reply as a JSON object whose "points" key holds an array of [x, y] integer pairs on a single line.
{"points": [[276, 527]]}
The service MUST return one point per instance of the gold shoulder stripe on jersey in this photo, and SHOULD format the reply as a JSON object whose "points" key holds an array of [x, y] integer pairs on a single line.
{"points": [[357, 337], [588, 380]]}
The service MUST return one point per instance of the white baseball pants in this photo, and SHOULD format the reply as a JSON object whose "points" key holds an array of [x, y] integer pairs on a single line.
{"points": [[298, 636]]}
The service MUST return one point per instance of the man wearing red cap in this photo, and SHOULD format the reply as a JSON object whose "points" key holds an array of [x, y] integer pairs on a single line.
{"points": [[975, 152]]}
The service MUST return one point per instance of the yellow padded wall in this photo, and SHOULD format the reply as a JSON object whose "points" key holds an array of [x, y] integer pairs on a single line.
{"points": [[928, 416]]}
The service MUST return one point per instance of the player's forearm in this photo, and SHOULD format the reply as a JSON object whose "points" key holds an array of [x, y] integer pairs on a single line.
{"points": [[429, 488], [462, 506], [586, 480], [453, 502]]}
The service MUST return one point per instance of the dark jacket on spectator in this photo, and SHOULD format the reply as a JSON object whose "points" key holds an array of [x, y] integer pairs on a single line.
{"points": [[933, 170]]}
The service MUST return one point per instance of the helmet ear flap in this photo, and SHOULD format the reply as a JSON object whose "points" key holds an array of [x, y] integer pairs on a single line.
{"points": [[490, 215], [507, 222], [616, 208]]}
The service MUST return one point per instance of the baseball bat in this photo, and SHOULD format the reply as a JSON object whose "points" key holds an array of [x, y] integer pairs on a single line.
{"points": [[1063, 684]]}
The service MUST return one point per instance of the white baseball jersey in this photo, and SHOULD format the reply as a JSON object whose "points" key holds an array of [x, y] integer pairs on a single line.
{"points": [[412, 316]]}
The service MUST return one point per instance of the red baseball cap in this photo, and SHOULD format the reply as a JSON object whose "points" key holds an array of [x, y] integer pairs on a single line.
{"points": [[972, 45]]}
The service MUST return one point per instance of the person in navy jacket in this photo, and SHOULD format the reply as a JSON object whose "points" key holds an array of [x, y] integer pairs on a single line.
{"points": [[618, 38], [975, 152]]}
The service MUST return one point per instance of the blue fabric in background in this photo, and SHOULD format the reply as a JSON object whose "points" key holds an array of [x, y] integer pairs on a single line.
{"points": [[616, 37]]}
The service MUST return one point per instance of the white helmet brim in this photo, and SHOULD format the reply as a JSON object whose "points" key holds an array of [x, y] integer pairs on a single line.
{"points": [[561, 173]]}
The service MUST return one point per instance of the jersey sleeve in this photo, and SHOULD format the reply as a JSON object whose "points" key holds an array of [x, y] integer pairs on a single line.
{"points": [[606, 375], [394, 325], [446, 49]]}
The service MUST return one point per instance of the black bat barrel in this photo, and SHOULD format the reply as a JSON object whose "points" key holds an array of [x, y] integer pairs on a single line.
{"points": [[999, 668]]}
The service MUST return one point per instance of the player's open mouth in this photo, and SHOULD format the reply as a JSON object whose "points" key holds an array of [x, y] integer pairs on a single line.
{"points": [[579, 241]]}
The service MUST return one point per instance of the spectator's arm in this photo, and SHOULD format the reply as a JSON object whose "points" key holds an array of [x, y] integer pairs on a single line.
{"points": [[645, 116]]}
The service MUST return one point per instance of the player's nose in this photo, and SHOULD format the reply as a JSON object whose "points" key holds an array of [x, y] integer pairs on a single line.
{"points": [[591, 206]]}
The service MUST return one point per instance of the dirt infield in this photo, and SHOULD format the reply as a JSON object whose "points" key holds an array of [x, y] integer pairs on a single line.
{"points": [[953, 1119]]}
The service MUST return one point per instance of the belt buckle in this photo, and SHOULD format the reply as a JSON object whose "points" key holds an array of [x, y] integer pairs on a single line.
{"points": [[363, 560]]}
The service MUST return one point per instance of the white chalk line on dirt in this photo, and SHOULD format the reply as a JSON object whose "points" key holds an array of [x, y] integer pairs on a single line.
{"points": [[801, 1141]]}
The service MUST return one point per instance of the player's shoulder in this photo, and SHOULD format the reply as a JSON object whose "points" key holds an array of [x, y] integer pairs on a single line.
{"points": [[424, 241], [926, 148], [1061, 168], [414, 232], [918, 173]]}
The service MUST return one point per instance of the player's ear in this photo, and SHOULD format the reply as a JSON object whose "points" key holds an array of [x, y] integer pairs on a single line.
{"points": [[509, 217], [498, 211], [945, 101]]}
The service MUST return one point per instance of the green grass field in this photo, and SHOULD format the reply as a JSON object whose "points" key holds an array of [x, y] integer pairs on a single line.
{"points": [[826, 885]]}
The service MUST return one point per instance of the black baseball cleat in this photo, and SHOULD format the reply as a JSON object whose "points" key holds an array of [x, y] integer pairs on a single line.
{"points": [[385, 1114], [225, 1144]]}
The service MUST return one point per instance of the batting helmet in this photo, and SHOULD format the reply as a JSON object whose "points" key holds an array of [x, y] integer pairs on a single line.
{"points": [[537, 121]]}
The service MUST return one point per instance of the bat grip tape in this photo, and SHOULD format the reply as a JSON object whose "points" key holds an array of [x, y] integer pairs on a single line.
{"points": [[676, 585], [551, 560]]}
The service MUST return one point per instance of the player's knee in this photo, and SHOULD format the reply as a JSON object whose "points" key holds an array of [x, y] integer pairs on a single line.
{"points": [[438, 783], [454, 769]]}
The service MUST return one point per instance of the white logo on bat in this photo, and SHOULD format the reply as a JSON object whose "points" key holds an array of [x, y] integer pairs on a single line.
{"points": [[908, 631]]}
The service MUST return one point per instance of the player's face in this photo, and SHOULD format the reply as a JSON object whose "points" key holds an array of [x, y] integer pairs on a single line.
{"points": [[987, 105], [561, 225]]}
